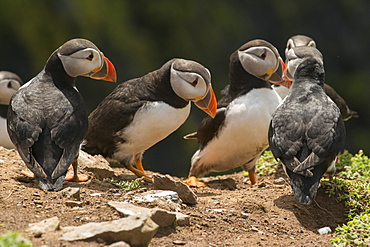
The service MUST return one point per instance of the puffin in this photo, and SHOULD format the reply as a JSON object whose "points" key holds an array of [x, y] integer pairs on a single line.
{"points": [[143, 111], [303, 40], [237, 135], [47, 118], [306, 131], [9, 84]]}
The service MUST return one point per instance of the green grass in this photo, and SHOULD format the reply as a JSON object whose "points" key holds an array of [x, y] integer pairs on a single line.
{"points": [[352, 186], [126, 185], [267, 164], [14, 239]]}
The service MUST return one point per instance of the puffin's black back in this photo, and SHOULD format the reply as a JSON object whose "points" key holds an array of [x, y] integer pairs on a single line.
{"points": [[47, 121], [307, 131]]}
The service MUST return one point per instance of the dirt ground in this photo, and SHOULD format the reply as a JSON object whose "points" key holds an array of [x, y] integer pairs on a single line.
{"points": [[230, 212]]}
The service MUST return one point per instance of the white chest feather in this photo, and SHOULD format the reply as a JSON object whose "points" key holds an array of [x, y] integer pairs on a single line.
{"points": [[152, 123], [4, 137], [245, 131]]}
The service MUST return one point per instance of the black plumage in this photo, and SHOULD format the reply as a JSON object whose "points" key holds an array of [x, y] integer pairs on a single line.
{"points": [[307, 131], [47, 118]]}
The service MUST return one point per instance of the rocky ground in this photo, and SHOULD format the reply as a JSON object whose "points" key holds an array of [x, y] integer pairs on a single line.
{"points": [[229, 212]]}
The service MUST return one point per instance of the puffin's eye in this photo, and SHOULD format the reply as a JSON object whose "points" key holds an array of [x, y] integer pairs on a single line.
{"points": [[194, 83], [263, 55], [90, 57]]}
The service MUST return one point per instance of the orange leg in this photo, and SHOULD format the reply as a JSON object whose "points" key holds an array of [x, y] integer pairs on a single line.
{"points": [[139, 170], [252, 176], [139, 165], [140, 173], [75, 177], [193, 182]]}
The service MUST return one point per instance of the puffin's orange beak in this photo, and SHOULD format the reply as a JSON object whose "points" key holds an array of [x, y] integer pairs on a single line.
{"points": [[208, 104], [106, 73], [280, 77]]}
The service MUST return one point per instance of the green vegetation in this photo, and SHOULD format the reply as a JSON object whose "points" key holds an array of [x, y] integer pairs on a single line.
{"points": [[14, 239], [267, 164], [126, 185], [351, 185]]}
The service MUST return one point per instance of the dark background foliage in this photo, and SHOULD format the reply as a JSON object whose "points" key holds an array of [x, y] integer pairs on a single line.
{"points": [[139, 36]]}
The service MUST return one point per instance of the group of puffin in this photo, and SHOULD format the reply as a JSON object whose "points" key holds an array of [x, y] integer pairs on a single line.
{"points": [[48, 124]]}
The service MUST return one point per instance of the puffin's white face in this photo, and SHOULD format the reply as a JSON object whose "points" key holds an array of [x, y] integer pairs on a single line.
{"points": [[296, 41], [189, 85], [259, 61], [7, 88], [82, 62]]}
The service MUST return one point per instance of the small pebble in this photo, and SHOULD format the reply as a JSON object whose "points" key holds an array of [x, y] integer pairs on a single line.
{"points": [[74, 203], [179, 242], [324, 230]]}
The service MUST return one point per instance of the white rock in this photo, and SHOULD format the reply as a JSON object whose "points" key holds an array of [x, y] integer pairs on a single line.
{"points": [[324, 230]]}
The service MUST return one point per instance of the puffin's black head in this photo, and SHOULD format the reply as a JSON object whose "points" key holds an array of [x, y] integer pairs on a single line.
{"points": [[298, 55], [80, 57], [192, 81], [311, 68], [260, 59], [9, 84]]}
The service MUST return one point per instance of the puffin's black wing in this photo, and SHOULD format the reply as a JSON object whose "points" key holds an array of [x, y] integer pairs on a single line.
{"points": [[298, 141], [25, 124], [33, 123]]}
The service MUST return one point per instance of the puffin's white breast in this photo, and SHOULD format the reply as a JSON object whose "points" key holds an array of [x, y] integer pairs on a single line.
{"points": [[152, 123], [245, 131], [4, 136]]}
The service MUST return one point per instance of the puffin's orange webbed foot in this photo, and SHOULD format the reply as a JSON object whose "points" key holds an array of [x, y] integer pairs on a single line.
{"points": [[28, 173], [71, 177], [75, 177], [193, 182]]}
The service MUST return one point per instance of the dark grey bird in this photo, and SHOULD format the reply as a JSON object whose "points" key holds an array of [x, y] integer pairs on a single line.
{"points": [[143, 111], [47, 119], [238, 134], [9, 84], [307, 131], [303, 40]]}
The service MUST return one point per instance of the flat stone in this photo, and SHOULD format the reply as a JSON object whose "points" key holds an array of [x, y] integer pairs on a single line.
{"points": [[128, 209], [47, 225], [166, 182], [134, 230], [182, 219], [96, 164], [161, 217]]}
